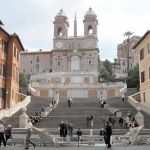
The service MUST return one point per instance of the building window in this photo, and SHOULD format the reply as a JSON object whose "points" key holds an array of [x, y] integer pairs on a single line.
{"points": [[149, 72], [144, 98], [1, 69], [90, 30], [2, 93], [141, 54], [90, 62], [50, 70], [60, 33], [37, 67], [123, 63], [58, 63], [5, 47], [17, 56], [15, 51], [37, 59], [142, 76], [124, 71], [17, 75], [148, 48], [4, 70]]}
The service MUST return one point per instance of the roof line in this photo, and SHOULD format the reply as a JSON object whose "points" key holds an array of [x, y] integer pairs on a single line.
{"points": [[143, 37]]}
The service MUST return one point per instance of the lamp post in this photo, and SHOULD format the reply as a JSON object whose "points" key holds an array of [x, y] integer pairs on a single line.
{"points": [[128, 35]]}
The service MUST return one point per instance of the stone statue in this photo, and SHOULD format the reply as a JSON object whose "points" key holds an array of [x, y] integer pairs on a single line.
{"points": [[23, 118], [133, 134], [139, 117]]}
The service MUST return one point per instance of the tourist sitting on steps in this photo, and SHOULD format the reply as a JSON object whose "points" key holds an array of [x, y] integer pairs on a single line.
{"points": [[79, 134], [103, 102], [102, 132]]}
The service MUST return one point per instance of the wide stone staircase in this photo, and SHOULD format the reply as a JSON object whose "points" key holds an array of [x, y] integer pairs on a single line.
{"points": [[77, 113]]}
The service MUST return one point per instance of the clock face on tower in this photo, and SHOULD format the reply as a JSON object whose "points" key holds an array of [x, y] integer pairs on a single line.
{"points": [[59, 45]]}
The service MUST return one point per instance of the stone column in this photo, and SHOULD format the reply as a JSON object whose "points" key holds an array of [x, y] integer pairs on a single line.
{"points": [[139, 117], [23, 118]]}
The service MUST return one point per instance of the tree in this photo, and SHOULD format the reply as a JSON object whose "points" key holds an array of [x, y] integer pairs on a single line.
{"points": [[133, 79], [22, 80], [106, 71]]}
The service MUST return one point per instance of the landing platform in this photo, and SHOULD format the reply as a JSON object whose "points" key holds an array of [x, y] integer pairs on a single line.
{"points": [[129, 147]]}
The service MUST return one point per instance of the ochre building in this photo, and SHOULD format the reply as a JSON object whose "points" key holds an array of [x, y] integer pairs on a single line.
{"points": [[10, 48], [143, 46]]}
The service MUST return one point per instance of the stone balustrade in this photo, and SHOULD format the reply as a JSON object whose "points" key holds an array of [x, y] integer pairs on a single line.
{"points": [[12, 110]]}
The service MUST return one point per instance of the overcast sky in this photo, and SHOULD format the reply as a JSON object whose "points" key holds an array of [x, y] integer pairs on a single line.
{"points": [[33, 20]]}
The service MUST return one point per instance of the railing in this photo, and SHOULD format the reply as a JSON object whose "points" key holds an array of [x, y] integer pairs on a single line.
{"points": [[12, 110], [137, 103]]}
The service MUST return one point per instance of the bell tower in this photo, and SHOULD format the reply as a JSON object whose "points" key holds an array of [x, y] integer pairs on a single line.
{"points": [[60, 25], [90, 23]]}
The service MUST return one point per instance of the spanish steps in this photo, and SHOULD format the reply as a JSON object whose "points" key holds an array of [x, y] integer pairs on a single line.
{"points": [[77, 113]]}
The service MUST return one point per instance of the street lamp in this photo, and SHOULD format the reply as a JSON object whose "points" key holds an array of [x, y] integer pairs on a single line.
{"points": [[128, 35]]}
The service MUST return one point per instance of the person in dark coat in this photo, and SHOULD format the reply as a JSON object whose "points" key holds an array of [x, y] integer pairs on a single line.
{"points": [[61, 127], [79, 134], [8, 132], [108, 133], [69, 102], [121, 122]]}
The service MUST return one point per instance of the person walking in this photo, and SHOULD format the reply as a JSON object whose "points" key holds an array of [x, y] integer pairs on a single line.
{"points": [[29, 128], [2, 139], [120, 121], [69, 102], [70, 129], [92, 121], [61, 129], [108, 134]]}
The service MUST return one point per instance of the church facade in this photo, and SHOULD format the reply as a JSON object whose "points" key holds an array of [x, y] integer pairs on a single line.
{"points": [[69, 53], [72, 67]]}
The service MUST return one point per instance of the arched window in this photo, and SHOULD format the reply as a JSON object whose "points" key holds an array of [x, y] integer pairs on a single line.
{"points": [[90, 62], [60, 33], [90, 30]]}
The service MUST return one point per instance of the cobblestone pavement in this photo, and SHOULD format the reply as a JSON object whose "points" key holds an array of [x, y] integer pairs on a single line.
{"points": [[129, 147]]}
